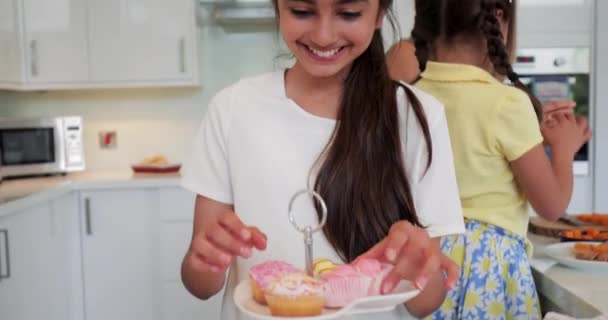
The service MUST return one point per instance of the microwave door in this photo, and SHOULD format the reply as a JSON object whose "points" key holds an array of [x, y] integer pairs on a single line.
{"points": [[26, 151]]}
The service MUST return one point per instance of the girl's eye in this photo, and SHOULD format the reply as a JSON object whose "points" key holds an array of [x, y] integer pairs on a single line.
{"points": [[350, 15], [301, 13]]}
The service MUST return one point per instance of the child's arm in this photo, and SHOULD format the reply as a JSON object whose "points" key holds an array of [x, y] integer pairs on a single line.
{"points": [[218, 238], [548, 183]]}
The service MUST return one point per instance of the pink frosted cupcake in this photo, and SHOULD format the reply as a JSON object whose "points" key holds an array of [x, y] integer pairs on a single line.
{"points": [[376, 270], [345, 284], [295, 295], [350, 282], [261, 275]]}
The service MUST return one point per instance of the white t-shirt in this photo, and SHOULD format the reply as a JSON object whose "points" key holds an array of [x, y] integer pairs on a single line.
{"points": [[256, 147]]}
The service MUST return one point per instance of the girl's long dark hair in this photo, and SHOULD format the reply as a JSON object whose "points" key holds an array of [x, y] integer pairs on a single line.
{"points": [[362, 175], [450, 18]]}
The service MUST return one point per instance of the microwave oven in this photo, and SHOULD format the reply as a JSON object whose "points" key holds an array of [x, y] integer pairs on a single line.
{"points": [[41, 146]]}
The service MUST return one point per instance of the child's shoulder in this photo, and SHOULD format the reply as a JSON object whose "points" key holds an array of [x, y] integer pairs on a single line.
{"points": [[250, 89], [433, 109], [515, 95]]}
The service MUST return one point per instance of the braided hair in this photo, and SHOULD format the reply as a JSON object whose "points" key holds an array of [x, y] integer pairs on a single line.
{"points": [[451, 18]]}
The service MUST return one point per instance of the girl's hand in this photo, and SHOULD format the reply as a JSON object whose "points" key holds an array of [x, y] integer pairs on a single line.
{"points": [[565, 133], [561, 106], [416, 257], [221, 240]]}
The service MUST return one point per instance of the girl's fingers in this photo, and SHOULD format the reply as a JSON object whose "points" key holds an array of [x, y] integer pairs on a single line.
{"points": [[224, 239], [451, 269], [397, 238], [410, 258], [210, 254], [231, 222], [376, 252], [258, 238], [556, 106], [430, 267]]}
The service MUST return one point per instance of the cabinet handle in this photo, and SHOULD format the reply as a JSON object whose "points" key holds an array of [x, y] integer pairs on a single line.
{"points": [[87, 216], [182, 54], [7, 255], [34, 57]]}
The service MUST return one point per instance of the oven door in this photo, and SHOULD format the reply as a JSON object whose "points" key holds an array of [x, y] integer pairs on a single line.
{"points": [[564, 73], [565, 87], [31, 147]]}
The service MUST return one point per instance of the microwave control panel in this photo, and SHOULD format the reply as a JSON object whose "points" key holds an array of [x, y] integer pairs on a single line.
{"points": [[74, 150]]}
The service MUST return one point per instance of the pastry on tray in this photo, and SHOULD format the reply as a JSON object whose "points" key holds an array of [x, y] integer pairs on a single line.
{"points": [[261, 275], [350, 282], [587, 251], [289, 292], [295, 295]]}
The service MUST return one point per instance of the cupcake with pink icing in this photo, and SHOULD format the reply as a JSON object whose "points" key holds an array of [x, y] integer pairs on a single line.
{"points": [[295, 295], [261, 275], [350, 282]]}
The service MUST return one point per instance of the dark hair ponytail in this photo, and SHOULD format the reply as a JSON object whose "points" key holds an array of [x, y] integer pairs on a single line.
{"points": [[361, 173], [426, 29], [497, 51], [362, 177], [451, 18]]}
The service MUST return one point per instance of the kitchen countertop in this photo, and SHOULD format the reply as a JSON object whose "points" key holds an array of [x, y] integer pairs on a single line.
{"points": [[579, 293], [16, 194]]}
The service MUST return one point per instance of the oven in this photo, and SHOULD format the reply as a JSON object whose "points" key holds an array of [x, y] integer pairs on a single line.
{"points": [[560, 74]]}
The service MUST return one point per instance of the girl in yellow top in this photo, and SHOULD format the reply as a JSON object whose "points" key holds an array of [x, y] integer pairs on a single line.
{"points": [[498, 152]]}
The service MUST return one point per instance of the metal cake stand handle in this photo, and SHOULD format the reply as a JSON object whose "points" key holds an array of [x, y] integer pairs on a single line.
{"points": [[308, 230]]}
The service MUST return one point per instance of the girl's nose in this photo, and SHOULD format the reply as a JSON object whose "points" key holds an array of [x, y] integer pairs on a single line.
{"points": [[324, 34]]}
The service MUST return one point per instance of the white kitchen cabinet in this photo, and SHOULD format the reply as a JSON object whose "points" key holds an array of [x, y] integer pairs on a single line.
{"points": [[177, 212], [55, 41], [142, 40], [84, 44], [120, 254], [43, 43], [40, 263], [9, 43]]}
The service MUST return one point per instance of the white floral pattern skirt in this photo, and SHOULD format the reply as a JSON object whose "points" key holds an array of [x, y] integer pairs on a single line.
{"points": [[495, 280]]}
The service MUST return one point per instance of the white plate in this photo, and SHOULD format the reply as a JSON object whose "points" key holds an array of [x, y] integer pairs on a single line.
{"points": [[404, 292], [562, 252]]}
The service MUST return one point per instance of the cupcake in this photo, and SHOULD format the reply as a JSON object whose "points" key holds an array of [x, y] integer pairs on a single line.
{"points": [[375, 270], [295, 295], [350, 282], [262, 274], [343, 285]]}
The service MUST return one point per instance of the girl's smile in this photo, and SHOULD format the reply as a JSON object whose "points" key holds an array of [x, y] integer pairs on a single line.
{"points": [[328, 55]]}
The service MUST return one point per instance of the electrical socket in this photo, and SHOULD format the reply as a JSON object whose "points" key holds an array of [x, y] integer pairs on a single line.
{"points": [[107, 139]]}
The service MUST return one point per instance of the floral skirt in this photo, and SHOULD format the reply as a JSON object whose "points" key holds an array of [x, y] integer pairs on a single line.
{"points": [[495, 280]]}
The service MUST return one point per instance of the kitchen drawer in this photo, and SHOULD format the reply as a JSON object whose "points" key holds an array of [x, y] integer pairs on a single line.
{"points": [[176, 204], [174, 240], [179, 304]]}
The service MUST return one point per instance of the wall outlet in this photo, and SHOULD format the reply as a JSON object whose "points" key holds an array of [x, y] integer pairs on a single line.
{"points": [[107, 139]]}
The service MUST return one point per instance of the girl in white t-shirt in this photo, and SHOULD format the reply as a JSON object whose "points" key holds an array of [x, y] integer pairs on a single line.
{"points": [[377, 151]]}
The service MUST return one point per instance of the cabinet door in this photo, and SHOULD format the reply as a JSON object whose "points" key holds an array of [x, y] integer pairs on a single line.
{"points": [[177, 212], [142, 40], [55, 40], [9, 43], [40, 263], [120, 254]]}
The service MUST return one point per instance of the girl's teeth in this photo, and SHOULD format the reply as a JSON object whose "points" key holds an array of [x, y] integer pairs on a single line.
{"points": [[324, 54]]}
